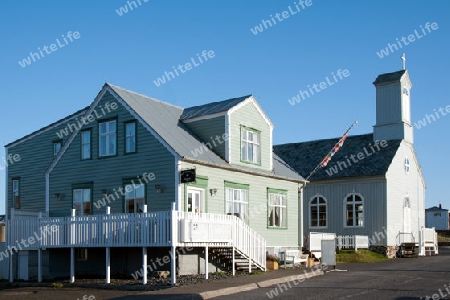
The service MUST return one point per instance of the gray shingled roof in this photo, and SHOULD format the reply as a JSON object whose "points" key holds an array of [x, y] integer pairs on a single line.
{"points": [[211, 108], [164, 119], [304, 157], [388, 77]]}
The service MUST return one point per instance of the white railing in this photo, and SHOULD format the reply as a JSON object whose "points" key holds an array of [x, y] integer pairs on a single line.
{"points": [[221, 231], [153, 229], [405, 237], [428, 239], [352, 242], [116, 230]]}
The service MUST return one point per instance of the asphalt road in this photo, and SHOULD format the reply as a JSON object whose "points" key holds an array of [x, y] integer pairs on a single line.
{"points": [[405, 278], [401, 279]]}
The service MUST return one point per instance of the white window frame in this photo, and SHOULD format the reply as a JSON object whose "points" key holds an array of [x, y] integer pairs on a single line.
{"points": [[130, 137], [201, 193], [250, 145], [277, 202], [237, 197], [318, 205], [79, 204], [110, 136], [57, 145], [138, 200], [357, 220], [83, 144], [407, 165]]}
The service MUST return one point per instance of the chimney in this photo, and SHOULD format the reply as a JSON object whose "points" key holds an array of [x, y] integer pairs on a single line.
{"points": [[440, 206]]}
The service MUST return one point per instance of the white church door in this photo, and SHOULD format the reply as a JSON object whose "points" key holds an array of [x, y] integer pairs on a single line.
{"points": [[407, 221]]}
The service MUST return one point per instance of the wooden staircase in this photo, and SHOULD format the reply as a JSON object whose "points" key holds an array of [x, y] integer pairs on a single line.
{"points": [[224, 257]]}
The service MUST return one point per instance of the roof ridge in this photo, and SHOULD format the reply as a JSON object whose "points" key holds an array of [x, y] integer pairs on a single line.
{"points": [[142, 95], [321, 140]]}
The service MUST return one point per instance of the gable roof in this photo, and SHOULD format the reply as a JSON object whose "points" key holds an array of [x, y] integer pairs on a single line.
{"points": [[211, 108], [164, 119], [48, 127], [388, 77], [304, 157]]}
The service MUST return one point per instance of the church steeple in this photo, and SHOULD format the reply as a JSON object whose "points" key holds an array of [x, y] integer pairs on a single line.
{"points": [[393, 107]]}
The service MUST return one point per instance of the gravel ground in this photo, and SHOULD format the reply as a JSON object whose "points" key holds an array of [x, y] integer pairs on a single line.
{"points": [[126, 284]]}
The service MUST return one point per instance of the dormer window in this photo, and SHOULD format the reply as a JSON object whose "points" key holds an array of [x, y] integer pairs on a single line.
{"points": [[250, 146]]}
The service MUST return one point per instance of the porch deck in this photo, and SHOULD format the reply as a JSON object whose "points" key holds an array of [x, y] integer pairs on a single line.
{"points": [[149, 229]]}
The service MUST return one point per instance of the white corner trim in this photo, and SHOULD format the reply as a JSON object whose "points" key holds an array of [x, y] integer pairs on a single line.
{"points": [[252, 100], [271, 148], [177, 184], [227, 141], [6, 187]]}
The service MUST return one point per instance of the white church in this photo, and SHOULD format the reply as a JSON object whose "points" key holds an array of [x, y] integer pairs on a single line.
{"points": [[373, 185]]}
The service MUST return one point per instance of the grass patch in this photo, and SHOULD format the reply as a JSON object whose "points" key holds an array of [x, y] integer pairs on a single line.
{"points": [[366, 256], [443, 237], [56, 285]]}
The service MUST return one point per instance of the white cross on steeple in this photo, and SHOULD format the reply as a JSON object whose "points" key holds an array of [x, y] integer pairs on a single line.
{"points": [[404, 61]]}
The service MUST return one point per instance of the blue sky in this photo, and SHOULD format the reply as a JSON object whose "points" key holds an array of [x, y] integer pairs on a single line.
{"points": [[136, 48]]}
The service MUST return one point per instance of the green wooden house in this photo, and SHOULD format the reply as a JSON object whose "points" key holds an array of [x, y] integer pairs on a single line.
{"points": [[130, 185]]}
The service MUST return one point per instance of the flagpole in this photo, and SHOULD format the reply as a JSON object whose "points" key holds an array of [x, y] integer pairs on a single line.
{"points": [[320, 164]]}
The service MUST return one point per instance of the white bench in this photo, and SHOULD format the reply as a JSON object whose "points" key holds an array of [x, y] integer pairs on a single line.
{"points": [[293, 257]]}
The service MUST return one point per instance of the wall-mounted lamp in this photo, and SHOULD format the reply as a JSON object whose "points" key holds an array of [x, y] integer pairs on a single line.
{"points": [[213, 191], [105, 192], [158, 188], [58, 196]]}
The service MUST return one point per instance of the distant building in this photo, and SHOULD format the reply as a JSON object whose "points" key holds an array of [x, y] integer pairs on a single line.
{"points": [[437, 217], [3, 263]]}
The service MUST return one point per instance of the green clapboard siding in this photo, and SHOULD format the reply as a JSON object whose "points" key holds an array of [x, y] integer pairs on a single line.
{"points": [[36, 154], [258, 188], [112, 172], [211, 132], [248, 116]]}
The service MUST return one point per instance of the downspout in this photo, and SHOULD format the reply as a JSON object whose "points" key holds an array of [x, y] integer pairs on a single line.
{"points": [[47, 194]]}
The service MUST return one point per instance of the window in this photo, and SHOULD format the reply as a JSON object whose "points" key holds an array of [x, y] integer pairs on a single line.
{"points": [[56, 147], [277, 213], [354, 213], [16, 193], [250, 146], [82, 201], [318, 212], [134, 198], [130, 137], [107, 138], [407, 202], [407, 165], [237, 200], [86, 144]]}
